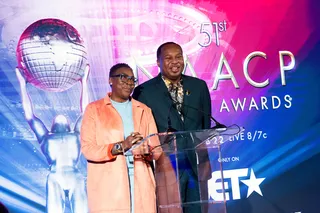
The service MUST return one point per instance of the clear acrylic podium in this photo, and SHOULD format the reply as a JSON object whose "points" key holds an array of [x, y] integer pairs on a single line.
{"points": [[195, 153]]}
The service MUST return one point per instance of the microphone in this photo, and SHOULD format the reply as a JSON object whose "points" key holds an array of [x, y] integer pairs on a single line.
{"points": [[169, 126], [218, 125]]}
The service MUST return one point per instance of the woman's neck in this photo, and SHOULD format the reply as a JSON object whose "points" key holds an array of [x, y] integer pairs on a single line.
{"points": [[118, 99]]}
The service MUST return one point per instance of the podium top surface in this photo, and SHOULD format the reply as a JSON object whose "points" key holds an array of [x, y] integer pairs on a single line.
{"points": [[188, 140]]}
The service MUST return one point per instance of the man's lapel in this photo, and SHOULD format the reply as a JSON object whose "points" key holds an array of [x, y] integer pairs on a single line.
{"points": [[163, 92], [186, 95]]}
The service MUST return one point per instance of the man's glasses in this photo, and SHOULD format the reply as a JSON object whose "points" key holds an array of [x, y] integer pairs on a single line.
{"points": [[125, 78]]}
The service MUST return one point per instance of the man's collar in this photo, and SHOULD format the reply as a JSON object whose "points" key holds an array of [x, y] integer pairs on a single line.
{"points": [[168, 82]]}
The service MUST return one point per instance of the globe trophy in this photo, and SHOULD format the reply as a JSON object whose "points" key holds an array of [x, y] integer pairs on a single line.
{"points": [[51, 56]]}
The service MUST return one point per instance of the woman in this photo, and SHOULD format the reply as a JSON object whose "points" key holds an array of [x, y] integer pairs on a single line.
{"points": [[109, 127]]}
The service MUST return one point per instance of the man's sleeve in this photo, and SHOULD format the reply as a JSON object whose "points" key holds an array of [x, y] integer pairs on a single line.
{"points": [[139, 95], [206, 100], [89, 147]]}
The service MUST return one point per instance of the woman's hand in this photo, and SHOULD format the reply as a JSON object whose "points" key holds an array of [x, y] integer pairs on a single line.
{"points": [[142, 150], [133, 138]]}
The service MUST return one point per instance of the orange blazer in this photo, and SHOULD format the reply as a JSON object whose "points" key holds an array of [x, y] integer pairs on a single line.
{"points": [[107, 181]]}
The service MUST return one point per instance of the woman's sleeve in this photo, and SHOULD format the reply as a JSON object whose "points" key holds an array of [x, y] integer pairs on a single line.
{"points": [[89, 147], [154, 141]]}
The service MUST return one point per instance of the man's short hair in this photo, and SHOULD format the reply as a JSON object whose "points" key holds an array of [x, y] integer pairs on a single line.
{"points": [[115, 67], [164, 44]]}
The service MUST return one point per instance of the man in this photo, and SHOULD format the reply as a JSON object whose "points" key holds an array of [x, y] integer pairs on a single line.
{"points": [[61, 147], [181, 103], [110, 127]]}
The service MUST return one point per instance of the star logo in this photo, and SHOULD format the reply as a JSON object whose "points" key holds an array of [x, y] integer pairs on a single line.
{"points": [[253, 184]]}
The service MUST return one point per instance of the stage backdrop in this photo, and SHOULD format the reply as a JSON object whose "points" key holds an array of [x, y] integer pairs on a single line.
{"points": [[260, 60]]}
